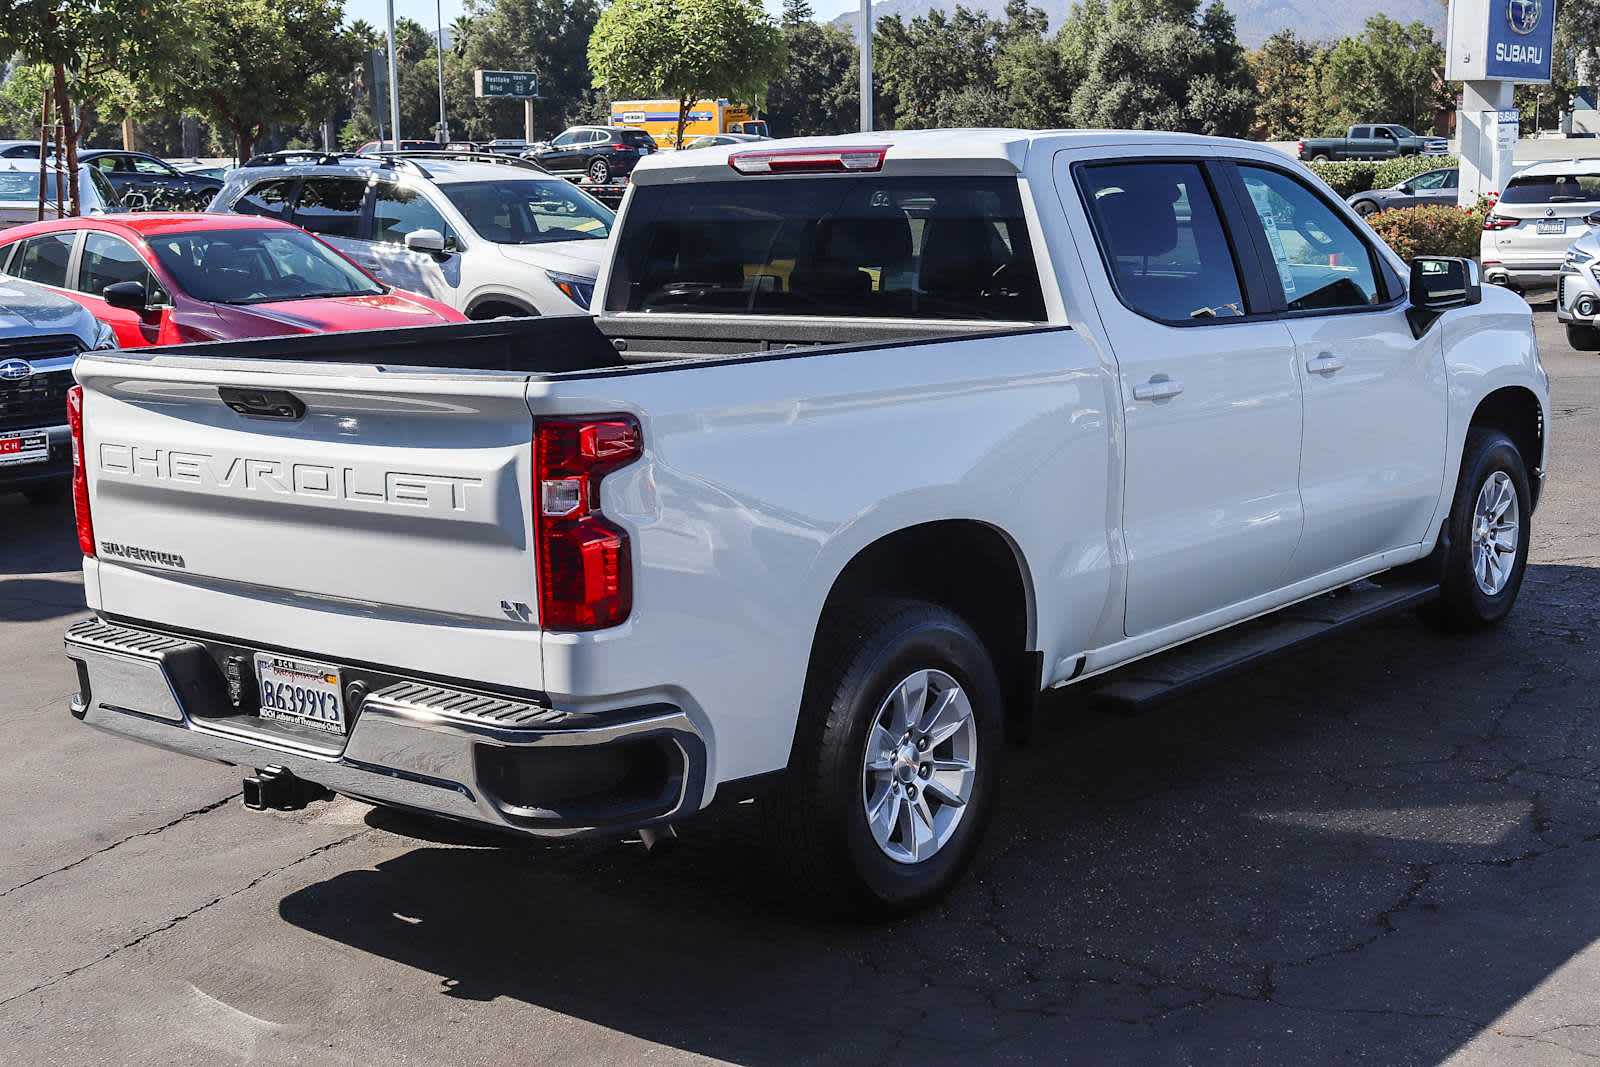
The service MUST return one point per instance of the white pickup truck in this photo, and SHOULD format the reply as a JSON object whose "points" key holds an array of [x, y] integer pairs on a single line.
{"points": [[870, 441]]}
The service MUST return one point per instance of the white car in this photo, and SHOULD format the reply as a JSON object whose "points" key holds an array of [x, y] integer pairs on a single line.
{"points": [[19, 191], [490, 236], [1539, 214], [872, 439]]}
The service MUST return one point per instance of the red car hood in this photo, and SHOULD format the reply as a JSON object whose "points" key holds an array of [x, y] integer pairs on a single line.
{"points": [[326, 314]]}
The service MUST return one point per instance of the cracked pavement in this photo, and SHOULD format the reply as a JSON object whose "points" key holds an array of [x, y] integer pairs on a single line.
{"points": [[1384, 848]]}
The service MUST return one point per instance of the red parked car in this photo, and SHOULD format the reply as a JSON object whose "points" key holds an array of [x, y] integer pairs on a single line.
{"points": [[160, 279]]}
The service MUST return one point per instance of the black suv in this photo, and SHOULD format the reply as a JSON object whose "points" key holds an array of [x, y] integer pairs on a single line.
{"points": [[145, 182], [600, 153]]}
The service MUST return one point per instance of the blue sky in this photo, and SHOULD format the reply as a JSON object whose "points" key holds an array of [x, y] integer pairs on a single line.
{"points": [[375, 11]]}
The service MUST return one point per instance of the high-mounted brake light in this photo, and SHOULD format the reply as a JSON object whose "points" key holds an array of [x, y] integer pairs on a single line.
{"points": [[809, 160], [585, 567], [80, 471]]}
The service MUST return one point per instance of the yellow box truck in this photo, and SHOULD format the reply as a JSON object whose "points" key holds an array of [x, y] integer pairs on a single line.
{"points": [[660, 119]]}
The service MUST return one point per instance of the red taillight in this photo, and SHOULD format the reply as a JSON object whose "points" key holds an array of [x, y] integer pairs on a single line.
{"points": [[809, 160], [80, 471], [1299, 148], [585, 569], [1498, 222]]}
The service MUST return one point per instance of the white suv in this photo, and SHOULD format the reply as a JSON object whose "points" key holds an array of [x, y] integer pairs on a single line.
{"points": [[488, 235], [1540, 213]]}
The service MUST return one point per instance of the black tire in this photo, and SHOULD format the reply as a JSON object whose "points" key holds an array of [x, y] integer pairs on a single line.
{"points": [[816, 821], [599, 170], [1583, 338], [1365, 207], [1463, 605], [49, 495], [1320, 157]]}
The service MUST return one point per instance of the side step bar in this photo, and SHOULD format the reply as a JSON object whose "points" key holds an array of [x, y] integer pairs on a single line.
{"points": [[1142, 686]]}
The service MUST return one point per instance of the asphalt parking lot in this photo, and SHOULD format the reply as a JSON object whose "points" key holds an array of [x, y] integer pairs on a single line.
{"points": [[1383, 849]]}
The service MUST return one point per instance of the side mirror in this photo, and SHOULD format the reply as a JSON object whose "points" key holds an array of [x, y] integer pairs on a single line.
{"points": [[129, 296], [1439, 283], [431, 241]]}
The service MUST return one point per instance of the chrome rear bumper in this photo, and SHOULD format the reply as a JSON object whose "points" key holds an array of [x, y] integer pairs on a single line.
{"points": [[506, 761]]}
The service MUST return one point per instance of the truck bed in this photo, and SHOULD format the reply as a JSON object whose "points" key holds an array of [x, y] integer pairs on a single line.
{"points": [[566, 344]]}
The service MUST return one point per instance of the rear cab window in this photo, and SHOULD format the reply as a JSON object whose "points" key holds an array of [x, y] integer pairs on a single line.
{"points": [[865, 247]]}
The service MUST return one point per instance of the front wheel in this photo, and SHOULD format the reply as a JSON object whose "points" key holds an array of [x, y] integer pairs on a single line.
{"points": [[1365, 208], [1488, 528], [890, 781], [599, 171]]}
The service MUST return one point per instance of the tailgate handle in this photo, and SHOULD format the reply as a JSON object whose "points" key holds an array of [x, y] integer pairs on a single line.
{"points": [[263, 403]]}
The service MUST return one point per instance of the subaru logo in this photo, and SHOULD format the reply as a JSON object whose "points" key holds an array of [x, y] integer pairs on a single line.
{"points": [[15, 370], [1523, 15]]}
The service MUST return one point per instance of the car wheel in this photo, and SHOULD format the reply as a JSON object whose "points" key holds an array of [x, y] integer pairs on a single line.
{"points": [[1488, 527], [48, 495], [599, 171], [1365, 207], [894, 761], [1583, 338], [1320, 157]]}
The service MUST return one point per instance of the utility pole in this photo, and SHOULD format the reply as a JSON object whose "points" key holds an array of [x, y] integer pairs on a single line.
{"points": [[394, 85], [438, 15], [866, 66]]}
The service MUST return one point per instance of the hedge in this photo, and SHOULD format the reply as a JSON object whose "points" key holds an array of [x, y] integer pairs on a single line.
{"points": [[1357, 176], [1430, 230]]}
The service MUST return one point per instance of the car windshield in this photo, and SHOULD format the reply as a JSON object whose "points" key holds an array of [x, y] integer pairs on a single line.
{"points": [[1552, 189], [529, 211], [256, 266]]}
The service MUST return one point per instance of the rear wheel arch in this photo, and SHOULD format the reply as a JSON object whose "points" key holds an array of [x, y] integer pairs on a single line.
{"points": [[971, 568]]}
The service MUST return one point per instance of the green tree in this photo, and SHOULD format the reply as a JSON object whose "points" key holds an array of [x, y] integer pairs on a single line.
{"points": [[92, 46], [1030, 71], [545, 36], [685, 49], [1284, 68], [1157, 65], [933, 54], [1387, 73], [268, 61], [972, 106], [819, 89]]}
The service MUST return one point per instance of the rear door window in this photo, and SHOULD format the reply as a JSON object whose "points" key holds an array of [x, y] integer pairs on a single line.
{"points": [[44, 259], [1552, 189], [912, 247], [331, 207], [1163, 242], [269, 198]]}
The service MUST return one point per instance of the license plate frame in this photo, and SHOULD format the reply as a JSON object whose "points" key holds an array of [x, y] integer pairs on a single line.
{"points": [[24, 446], [1551, 227], [300, 692]]}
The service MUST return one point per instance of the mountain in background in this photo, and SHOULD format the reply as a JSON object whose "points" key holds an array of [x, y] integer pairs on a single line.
{"points": [[1257, 19]]}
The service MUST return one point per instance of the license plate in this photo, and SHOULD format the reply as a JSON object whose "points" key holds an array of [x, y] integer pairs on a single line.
{"points": [[299, 692], [26, 447], [1552, 225]]}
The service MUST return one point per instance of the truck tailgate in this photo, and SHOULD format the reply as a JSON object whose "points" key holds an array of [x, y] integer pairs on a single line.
{"points": [[398, 497]]}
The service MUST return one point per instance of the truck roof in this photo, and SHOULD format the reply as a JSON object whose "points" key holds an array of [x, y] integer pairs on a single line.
{"points": [[988, 149]]}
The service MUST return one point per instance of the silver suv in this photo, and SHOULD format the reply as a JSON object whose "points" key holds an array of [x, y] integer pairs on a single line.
{"points": [[1525, 237], [488, 234]]}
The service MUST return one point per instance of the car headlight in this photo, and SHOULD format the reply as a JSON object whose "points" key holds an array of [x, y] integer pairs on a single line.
{"points": [[579, 290], [104, 337], [1577, 258]]}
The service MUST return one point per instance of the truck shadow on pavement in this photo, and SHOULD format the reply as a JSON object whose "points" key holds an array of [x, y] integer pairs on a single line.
{"points": [[1371, 850]]}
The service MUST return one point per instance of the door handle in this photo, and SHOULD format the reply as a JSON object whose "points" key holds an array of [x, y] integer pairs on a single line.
{"points": [[1159, 387], [1325, 363]]}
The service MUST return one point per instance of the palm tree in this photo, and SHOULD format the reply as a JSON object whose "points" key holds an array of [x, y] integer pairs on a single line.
{"points": [[365, 32], [460, 31]]}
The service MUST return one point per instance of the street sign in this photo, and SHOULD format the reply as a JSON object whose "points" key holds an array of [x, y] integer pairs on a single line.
{"points": [[1500, 40], [509, 84]]}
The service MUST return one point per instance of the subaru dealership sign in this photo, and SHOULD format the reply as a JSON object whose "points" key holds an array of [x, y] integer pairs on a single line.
{"points": [[1500, 40]]}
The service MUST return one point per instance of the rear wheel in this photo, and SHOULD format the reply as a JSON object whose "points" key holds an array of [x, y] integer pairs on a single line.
{"points": [[1320, 157], [1365, 207], [599, 170], [1482, 567], [1583, 338], [889, 786]]}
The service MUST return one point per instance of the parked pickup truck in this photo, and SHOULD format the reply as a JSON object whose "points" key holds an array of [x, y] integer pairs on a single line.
{"points": [[1378, 141], [871, 440]]}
